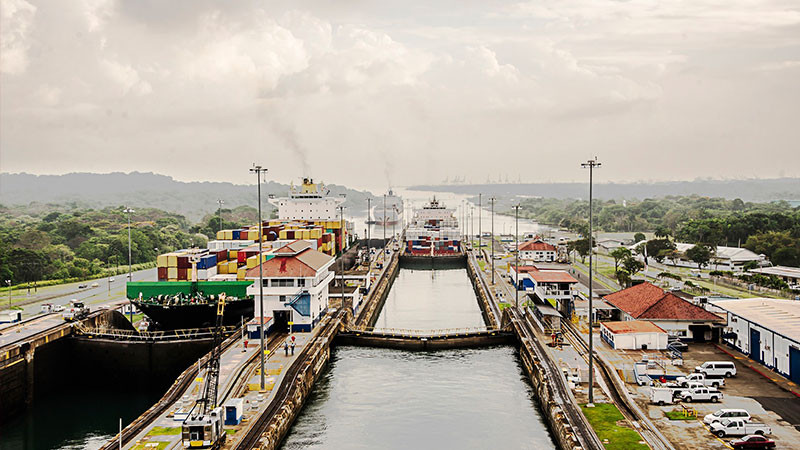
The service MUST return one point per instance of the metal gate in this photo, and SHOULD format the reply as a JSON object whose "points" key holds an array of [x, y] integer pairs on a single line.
{"points": [[755, 345], [794, 364]]}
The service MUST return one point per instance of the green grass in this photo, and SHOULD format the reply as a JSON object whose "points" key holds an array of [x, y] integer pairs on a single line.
{"points": [[230, 431], [503, 306], [136, 317], [164, 431], [603, 418], [141, 446], [678, 415]]}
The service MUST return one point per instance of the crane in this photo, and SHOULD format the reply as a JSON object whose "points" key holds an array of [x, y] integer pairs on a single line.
{"points": [[203, 425]]}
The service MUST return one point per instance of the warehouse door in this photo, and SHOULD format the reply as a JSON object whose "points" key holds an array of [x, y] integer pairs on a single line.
{"points": [[794, 364], [755, 345]]}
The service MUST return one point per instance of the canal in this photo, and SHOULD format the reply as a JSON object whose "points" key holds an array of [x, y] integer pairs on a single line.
{"points": [[380, 398]]}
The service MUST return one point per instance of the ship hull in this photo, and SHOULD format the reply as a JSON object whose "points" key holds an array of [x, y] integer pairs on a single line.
{"points": [[195, 316]]}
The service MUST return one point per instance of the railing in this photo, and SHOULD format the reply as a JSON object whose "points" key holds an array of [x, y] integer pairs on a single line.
{"points": [[424, 333], [132, 335]]}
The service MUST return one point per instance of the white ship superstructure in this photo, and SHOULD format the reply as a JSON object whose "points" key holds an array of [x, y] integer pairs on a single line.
{"points": [[388, 210], [309, 201], [434, 230]]}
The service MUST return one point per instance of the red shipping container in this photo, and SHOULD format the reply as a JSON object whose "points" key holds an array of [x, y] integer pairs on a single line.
{"points": [[241, 257], [162, 273], [183, 262]]}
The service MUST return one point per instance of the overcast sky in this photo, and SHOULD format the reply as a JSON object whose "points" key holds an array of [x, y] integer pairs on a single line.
{"points": [[369, 93]]}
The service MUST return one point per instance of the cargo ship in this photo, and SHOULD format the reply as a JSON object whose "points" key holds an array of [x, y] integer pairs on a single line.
{"points": [[433, 231], [388, 211], [190, 304]]}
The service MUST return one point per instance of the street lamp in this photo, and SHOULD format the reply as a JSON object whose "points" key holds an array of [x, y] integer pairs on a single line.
{"points": [[492, 199], [591, 164], [516, 255], [341, 258], [128, 210], [258, 170], [220, 202], [8, 282], [480, 237], [384, 223]]}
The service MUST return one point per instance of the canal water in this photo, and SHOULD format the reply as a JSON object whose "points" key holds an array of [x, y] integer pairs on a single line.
{"points": [[380, 398]]}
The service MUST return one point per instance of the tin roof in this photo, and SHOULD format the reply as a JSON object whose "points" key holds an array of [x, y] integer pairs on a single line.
{"points": [[551, 276], [632, 326], [780, 316]]}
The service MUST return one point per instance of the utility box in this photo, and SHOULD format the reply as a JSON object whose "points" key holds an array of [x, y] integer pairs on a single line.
{"points": [[234, 411]]}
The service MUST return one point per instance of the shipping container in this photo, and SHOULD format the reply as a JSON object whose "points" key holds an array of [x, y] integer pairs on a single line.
{"points": [[172, 272]]}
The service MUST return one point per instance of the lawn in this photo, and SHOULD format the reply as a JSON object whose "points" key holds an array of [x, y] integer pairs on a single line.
{"points": [[164, 431], [679, 415], [603, 418], [144, 446]]}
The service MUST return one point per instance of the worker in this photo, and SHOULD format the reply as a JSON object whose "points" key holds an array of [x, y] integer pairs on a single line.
{"points": [[292, 339], [286, 347], [292, 345]]}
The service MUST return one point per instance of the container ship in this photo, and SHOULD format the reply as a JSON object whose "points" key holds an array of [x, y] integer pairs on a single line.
{"points": [[433, 231], [390, 213], [190, 280]]}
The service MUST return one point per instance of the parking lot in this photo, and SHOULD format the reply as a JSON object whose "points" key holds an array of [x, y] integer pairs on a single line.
{"points": [[749, 390]]}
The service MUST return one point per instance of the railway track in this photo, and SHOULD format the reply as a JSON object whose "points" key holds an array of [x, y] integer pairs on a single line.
{"points": [[173, 394], [581, 426], [286, 388], [643, 425]]}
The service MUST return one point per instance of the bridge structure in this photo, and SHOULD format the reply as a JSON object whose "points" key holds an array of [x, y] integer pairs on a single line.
{"points": [[413, 339]]}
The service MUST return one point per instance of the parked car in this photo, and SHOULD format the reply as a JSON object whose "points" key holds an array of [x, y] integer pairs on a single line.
{"points": [[81, 286], [702, 394], [717, 368], [700, 378], [677, 344], [753, 441], [111, 280], [47, 308], [58, 308], [95, 285], [738, 427], [723, 414]]}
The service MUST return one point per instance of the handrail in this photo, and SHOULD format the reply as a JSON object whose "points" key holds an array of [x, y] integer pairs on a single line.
{"points": [[418, 332], [133, 335]]}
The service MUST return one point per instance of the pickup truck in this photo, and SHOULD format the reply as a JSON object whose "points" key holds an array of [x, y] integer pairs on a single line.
{"points": [[702, 379], [701, 394], [738, 427]]}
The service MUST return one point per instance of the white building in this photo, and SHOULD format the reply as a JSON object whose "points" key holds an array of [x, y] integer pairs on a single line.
{"points": [[791, 275], [609, 244], [309, 201], [633, 335], [295, 286], [724, 258], [675, 315], [767, 330], [537, 251]]}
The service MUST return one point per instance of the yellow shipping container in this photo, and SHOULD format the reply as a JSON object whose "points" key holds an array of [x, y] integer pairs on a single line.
{"points": [[220, 235], [240, 274], [233, 254], [282, 234], [172, 272], [233, 266], [228, 234], [252, 261], [161, 261], [172, 260], [222, 268]]}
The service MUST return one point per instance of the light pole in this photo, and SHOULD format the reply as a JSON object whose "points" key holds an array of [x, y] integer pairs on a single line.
{"points": [[341, 257], [480, 237], [130, 265], [591, 164], [384, 224], [394, 209], [369, 219], [8, 282], [516, 255], [220, 202], [492, 199], [258, 170]]}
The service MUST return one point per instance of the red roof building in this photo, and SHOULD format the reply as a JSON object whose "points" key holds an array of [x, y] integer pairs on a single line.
{"points": [[537, 250], [679, 317]]}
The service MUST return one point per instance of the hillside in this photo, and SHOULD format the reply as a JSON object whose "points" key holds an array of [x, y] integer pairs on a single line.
{"points": [[147, 190]]}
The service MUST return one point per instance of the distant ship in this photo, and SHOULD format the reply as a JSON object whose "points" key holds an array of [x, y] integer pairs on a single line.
{"points": [[433, 231], [309, 201], [389, 212]]}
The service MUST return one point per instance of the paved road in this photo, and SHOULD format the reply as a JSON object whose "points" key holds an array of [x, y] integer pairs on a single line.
{"points": [[94, 297]]}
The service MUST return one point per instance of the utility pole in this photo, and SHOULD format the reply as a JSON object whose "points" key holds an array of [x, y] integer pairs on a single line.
{"points": [[384, 225], [480, 236], [220, 202], [258, 170], [8, 282], [492, 199], [130, 264], [516, 255], [341, 258], [591, 164], [369, 219], [394, 209]]}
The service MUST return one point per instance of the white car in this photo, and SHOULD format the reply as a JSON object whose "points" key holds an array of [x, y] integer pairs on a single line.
{"points": [[700, 378], [58, 308], [95, 285], [738, 427], [723, 414], [702, 394], [717, 369]]}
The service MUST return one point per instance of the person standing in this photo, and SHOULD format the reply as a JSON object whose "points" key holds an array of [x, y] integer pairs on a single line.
{"points": [[286, 347], [292, 346]]}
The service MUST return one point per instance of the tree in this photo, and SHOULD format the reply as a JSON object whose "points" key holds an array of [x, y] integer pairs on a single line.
{"points": [[639, 237], [619, 254], [581, 246], [662, 232], [659, 248], [629, 267], [700, 254]]}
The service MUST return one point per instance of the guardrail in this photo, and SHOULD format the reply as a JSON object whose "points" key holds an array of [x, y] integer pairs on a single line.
{"points": [[132, 335], [425, 333]]}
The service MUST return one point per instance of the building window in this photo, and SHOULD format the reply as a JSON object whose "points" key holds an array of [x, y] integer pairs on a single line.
{"points": [[283, 298], [265, 283], [301, 282], [283, 283]]}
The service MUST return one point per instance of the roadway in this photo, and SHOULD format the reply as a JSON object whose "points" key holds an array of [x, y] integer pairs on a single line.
{"points": [[106, 294]]}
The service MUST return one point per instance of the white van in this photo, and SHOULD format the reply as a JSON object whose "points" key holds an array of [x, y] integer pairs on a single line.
{"points": [[717, 369], [723, 414]]}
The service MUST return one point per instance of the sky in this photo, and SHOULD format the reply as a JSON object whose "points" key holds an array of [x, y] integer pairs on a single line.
{"points": [[371, 94]]}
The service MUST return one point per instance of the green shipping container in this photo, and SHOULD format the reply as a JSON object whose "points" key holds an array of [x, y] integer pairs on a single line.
{"points": [[153, 288]]}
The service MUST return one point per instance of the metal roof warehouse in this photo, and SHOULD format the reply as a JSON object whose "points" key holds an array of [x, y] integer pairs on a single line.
{"points": [[766, 329]]}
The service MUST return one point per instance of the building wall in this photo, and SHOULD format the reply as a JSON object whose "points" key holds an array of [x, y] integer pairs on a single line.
{"points": [[634, 341], [673, 327], [774, 356], [538, 255], [317, 290]]}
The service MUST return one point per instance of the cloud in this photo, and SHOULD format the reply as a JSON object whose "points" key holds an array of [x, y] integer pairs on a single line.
{"points": [[16, 19]]}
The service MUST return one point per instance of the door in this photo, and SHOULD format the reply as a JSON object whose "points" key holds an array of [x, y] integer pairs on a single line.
{"points": [[755, 345], [794, 364]]}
